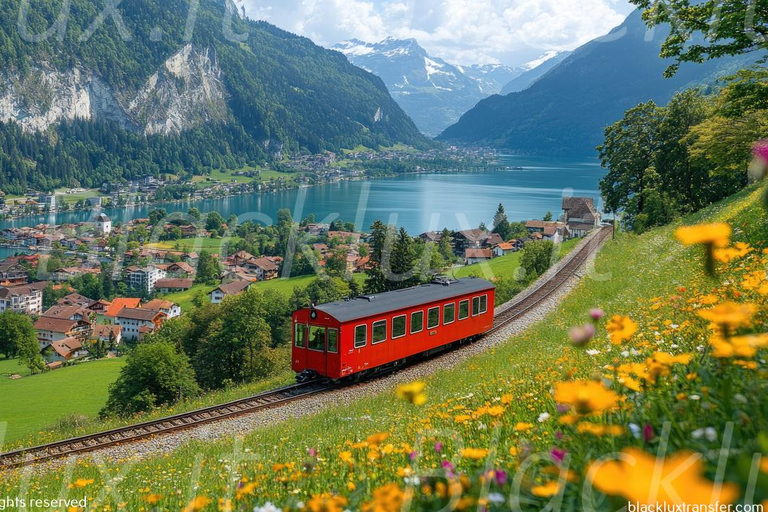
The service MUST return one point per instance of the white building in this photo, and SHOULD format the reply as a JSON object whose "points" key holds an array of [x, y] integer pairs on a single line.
{"points": [[103, 224], [136, 322], [21, 299], [145, 278]]}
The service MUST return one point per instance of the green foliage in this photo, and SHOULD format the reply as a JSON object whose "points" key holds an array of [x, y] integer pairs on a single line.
{"points": [[208, 269], [705, 30], [667, 161], [18, 338], [537, 258], [501, 223], [154, 375]]}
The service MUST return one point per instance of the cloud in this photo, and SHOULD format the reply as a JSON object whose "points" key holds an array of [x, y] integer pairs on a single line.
{"points": [[461, 31]]}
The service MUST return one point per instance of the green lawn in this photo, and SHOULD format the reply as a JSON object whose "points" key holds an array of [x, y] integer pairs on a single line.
{"points": [[194, 244], [504, 266], [35, 402], [219, 175], [61, 195], [12, 367]]}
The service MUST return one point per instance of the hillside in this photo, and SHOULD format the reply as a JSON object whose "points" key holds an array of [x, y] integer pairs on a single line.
{"points": [[163, 96], [495, 410], [530, 76], [433, 92], [566, 110]]}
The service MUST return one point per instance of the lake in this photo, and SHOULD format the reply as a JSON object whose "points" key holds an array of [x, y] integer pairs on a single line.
{"points": [[419, 203]]}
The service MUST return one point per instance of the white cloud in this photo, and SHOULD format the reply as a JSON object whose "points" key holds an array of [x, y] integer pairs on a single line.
{"points": [[465, 31]]}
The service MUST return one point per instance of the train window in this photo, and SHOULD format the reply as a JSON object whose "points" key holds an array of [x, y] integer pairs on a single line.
{"points": [[398, 327], [483, 304], [463, 309], [299, 335], [475, 306], [333, 341], [317, 338], [361, 336], [417, 322], [379, 331], [449, 313], [433, 318]]}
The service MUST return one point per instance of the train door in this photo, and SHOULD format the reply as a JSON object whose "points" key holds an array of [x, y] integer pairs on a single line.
{"points": [[316, 350]]}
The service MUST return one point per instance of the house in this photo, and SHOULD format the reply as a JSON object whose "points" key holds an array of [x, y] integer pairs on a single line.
{"points": [[68, 313], [11, 273], [62, 350], [580, 215], [21, 299], [100, 306], [75, 299], [503, 249], [55, 329], [431, 236], [137, 322], [103, 225], [548, 230], [105, 332], [170, 309], [470, 239], [264, 268], [173, 284], [229, 289], [118, 304], [493, 239], [477, 256], [145, 278], [180, 269]]}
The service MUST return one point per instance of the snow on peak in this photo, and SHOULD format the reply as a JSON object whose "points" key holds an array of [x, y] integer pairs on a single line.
{"points": [[540, 60]]}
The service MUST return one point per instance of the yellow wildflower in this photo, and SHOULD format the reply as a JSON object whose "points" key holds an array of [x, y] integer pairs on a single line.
{"points": [[586, 396], [620, 328], [640, 477], [546, 490], [413, 392], [717, 234], [474, 453]]}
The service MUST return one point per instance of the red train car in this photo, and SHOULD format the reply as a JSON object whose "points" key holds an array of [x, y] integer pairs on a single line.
{"points": [[358, 336]]}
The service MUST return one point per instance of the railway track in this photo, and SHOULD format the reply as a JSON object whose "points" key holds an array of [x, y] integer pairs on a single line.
{"points": [[524, 303]]}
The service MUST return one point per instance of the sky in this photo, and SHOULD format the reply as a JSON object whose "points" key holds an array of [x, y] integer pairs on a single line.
{"points": [[509, 32]]}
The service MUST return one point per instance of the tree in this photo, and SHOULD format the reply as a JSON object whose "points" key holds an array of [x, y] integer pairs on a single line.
{"points": [[18, 338], [628, 151], [157, 215], [337, 263], [501, 223], [537, 258], [444, 246], [214, 222], [208, 269], [154, 375], [235, 347], [547, 217], [194, 214], [402, 263], [708, 29]]}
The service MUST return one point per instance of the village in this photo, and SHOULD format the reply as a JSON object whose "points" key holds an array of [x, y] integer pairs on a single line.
{"points": [[93, 289], [297, 171]]}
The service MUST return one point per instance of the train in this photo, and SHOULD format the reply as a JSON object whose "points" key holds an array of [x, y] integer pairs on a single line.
{"points": [[356, 337]]}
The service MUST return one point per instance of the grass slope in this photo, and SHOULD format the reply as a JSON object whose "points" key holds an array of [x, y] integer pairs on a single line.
{"points": [[629, 271], [34, 402]]}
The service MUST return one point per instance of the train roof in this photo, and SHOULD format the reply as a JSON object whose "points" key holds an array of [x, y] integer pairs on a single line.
{"points": [[376, 304]]}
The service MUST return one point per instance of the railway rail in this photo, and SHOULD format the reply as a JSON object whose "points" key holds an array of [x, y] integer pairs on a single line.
{"points": [[520, 306]]}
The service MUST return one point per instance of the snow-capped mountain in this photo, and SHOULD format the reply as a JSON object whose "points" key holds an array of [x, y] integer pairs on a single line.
{"points": [[533, 70], [433, 92]]}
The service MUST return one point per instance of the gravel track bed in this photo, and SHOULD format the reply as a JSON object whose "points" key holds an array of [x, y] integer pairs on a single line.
{"points": [[242, 425]]}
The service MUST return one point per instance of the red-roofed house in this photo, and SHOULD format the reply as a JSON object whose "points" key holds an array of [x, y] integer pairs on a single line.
{"points": [[477, 256], [120, 303]]}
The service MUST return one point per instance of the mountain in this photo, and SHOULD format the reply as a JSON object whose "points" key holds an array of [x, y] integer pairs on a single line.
{"points": [[161, 94], [533, 71], [433, 92], [567, 109]]}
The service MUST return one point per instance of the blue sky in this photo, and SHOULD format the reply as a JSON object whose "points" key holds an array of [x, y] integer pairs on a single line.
{"points": [[461, 31]]}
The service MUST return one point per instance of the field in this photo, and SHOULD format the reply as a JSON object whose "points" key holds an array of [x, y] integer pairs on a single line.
{"points": [[194, 244], [218, 175], [504, 266], [490, 412], [38, 401], [61, 195]]}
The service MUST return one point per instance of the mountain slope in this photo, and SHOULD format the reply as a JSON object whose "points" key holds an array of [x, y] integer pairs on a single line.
{"points": [[252, 89], [536, 71], [566, 110], [433, 92]]}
